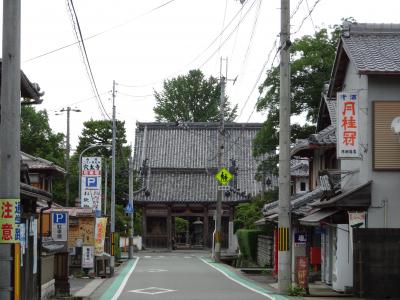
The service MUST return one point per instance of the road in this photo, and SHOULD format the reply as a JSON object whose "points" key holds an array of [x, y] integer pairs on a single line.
{"points": [[181, 276]]}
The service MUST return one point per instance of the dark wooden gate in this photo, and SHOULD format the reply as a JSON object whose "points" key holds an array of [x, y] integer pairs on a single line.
{"points": [[377, 263]]}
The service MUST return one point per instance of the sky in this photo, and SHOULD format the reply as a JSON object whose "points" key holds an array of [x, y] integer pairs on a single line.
{"points": [[141, 43]]}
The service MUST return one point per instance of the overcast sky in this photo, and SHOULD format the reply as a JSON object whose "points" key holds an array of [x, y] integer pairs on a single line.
{"points": [[140, 47]]}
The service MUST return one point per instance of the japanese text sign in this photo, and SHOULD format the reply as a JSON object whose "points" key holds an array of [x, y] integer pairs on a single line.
{"points": [[100, 235], [347, 125], [91, 183], [10, 215], [59, 226], [87, 257]]}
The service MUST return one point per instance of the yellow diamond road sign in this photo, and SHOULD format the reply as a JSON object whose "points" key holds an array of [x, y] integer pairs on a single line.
{"points": [[223, 176]]}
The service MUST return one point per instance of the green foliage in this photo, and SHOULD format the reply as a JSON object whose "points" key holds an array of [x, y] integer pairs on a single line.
{"points": [[191, 98], [117, 249], [311, 63], [247, 240], [38, 139], [247, 213], [180, 225], [295, 290]]}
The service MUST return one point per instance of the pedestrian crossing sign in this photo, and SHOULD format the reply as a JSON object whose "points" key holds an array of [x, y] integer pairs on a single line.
{"points": [[223, 176]]}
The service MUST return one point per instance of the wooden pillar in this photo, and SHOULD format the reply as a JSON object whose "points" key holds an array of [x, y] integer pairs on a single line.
{"points": [[169, 228], [144, 226], [205, 227]]}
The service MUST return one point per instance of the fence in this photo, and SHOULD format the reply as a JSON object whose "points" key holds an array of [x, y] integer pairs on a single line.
{"points": [[377, 263]]}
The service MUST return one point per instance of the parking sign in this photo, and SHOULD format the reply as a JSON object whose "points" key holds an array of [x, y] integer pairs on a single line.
{"points": [[59, 226]]}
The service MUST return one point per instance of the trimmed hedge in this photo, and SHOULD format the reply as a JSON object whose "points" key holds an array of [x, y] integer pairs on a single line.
{"points": [[247, 239]]}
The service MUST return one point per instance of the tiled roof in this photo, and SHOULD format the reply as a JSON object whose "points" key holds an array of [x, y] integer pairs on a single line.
{"points": [[374, 48], [326, 137], [299, 204], [183, 159], [299, 168], [37, 163]]}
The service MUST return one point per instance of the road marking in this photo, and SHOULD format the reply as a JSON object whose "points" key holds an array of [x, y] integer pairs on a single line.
{"points": [[116, 288], [155, 270], [242, 281], [147, 256], [151, 291]]}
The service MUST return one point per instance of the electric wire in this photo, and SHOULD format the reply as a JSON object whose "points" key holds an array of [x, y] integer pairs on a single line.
{"points": [[229, 36], [258, 78], [306, 17], [78, 33], [311, 19], [103, 32]]}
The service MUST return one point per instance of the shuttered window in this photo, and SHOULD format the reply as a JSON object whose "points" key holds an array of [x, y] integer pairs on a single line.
{"points": [[386, 143]]}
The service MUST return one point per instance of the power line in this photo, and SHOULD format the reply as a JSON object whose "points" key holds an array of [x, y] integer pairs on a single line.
{"points": [[239, 12], [251, 37], [307, 16], [258, 77], [229, 36], [102, 32], [75, 20], [135, 96]]}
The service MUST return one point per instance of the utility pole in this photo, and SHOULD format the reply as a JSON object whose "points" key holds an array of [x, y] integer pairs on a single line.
{"points": [[67, 162], [10, 155], [131, 204], [112, 227], [221, 133], [284, 253]]}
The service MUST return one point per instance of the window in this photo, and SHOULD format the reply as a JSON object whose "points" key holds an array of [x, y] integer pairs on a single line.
{"points": [[386, 146], [302, 186]]}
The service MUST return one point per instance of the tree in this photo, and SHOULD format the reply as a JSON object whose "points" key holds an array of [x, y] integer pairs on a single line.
{"points": [[100, 132], [191, 98], [311, 63], [38, 139]]}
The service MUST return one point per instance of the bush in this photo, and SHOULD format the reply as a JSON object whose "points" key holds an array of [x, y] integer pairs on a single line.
{"points": [[247, 240], [295, 290]]}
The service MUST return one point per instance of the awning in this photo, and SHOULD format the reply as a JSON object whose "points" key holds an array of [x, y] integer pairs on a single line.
{"points": [[315, 218], [357, 197]]}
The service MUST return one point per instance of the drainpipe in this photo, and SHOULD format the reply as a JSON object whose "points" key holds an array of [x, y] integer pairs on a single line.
{"points": [[39, 280]]}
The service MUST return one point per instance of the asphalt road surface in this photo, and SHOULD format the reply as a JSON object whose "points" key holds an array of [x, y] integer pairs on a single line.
{"points": [[181, 276]]}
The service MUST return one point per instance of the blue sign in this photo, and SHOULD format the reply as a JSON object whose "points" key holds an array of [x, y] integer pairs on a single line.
{"points": [[91, 182], [129, 209], [59, 218]]}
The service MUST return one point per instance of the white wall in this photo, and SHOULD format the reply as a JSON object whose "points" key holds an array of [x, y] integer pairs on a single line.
{"points": [[385, 185]]}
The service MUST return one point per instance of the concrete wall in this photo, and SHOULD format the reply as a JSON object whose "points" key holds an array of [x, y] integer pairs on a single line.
{"points": [[385, 185]]}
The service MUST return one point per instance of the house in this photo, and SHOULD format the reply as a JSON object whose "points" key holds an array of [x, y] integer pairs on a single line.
{"points": [[179, 164], [52, 256], [29, 195], [359, 215]]}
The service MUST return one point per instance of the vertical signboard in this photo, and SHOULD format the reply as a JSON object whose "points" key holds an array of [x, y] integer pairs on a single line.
{"points": [[100, 236], [10, 216], [87, 257], [91, 183], [59, 226], [347, 125], [356, 220]]}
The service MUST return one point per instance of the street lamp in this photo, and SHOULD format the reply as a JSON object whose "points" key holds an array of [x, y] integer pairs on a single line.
{"points": [[80, 162]]}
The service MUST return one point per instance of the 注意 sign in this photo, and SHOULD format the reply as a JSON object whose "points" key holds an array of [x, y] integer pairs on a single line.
{"points": [[347, 125], [100, 235], [10, 215]]}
